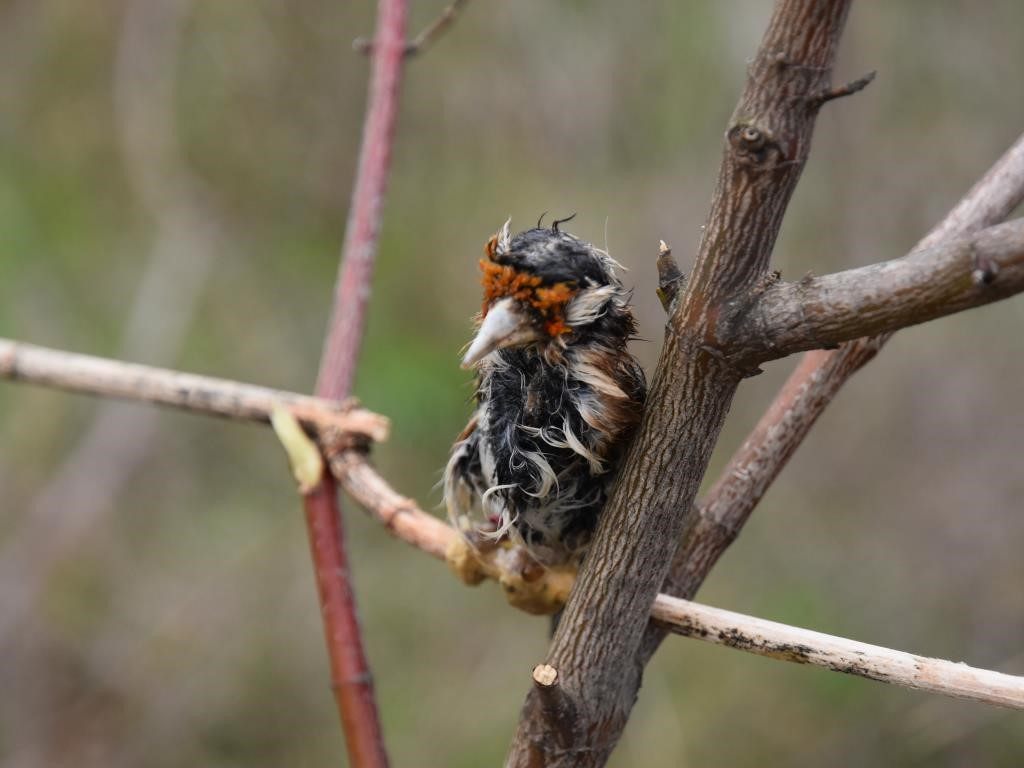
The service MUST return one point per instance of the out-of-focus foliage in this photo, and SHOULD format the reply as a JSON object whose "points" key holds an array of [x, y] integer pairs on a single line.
{"points": [[168, 617]]}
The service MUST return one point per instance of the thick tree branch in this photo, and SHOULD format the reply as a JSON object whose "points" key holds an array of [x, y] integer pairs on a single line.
{"points": [[89, 375], [595, 648], [951, 276]]}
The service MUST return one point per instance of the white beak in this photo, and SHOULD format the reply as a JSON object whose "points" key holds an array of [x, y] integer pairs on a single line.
{"points": [[506, 325]]}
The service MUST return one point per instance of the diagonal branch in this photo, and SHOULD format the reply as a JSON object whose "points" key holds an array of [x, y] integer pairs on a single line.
{"points": [[721, 515], [805, 646], [951, 276], [804, 397], [595, 648], [814, 384], [427, 35]]}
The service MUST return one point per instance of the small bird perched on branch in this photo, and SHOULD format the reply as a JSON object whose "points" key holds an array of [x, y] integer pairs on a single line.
{"points": [[558, 395]]}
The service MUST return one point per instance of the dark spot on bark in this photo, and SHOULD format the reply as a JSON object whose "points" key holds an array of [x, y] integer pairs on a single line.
{"points": [[857, 669]]}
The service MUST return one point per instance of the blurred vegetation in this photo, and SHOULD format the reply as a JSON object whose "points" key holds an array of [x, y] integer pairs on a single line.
{"points": [[166, 613]]}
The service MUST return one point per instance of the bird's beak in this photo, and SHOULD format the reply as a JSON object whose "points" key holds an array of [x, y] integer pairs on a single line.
{"points": [[506, 325]]}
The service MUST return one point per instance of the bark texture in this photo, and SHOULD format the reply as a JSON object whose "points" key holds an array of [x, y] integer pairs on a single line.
{"points": [[596, 648], [817, 312]]}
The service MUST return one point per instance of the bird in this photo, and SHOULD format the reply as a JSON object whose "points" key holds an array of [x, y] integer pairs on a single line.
{"points": [[558, 395]]}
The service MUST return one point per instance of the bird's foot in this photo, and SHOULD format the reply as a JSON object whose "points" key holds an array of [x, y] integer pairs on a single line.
{"points": [[528, 585]]}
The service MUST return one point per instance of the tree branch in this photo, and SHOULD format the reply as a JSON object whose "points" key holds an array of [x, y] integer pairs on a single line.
{"points": [[89, 375], [753, 468], [595, 648], [352, 291], [350, 671], [804, 397], [406, 521], [804, 646], [536, 593], [951, 276]]}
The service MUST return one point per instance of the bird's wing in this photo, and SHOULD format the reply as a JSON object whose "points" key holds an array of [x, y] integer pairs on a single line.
{"points": [[463, 476]]}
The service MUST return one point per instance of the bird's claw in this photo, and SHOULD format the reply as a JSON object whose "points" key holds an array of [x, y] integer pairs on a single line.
{"points": [[527, 585]]}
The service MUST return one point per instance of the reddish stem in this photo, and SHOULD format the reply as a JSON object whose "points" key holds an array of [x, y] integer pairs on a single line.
{"points": [[352, 292], [351, 680], [350, 672]]}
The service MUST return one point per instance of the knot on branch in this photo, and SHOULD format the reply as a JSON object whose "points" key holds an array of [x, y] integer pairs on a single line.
{"points": [[985, 269], [755, 147]]}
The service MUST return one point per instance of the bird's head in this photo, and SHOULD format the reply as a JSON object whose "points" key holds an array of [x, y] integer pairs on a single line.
{"points": [[547, 288]]}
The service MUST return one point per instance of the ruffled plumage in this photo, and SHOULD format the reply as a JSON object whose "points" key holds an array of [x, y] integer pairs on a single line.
{"points": [[554, 413]]}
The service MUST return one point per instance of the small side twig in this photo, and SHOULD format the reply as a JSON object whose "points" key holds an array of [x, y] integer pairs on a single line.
{"points": [[425, 38], [670, 277], [839, 92]]}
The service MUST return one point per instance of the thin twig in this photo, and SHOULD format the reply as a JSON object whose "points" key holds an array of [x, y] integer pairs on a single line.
{"points": [[424, 39], [90, 375], [804, 646], [840, 91], [350, 671], [352, 291]]}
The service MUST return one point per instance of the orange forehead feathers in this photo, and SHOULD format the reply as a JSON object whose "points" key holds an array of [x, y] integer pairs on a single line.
{"points": [[503, 281]]}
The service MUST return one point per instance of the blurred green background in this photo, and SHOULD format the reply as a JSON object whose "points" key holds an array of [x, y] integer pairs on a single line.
{"points": [[174, 180]]}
